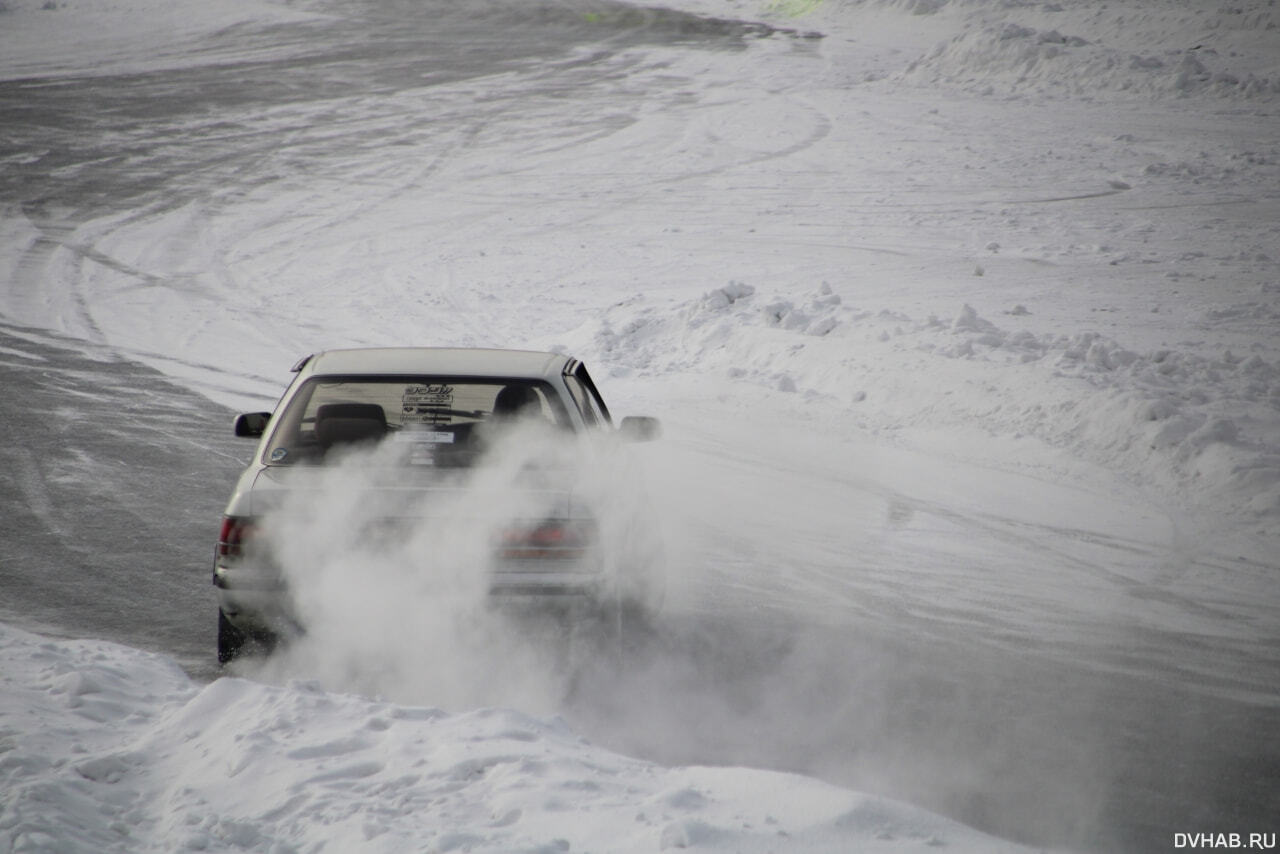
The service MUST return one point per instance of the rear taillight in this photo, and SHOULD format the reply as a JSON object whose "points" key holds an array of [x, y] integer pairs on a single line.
{"points": [[561, 539], [236, 531]]}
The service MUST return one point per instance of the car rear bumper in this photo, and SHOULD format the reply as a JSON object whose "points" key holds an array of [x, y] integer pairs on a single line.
{"points": [[253, 602], [260, 603], [545, 585]]}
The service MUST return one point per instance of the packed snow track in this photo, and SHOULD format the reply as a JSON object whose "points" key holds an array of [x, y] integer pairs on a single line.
{"points": [[960, 319]]}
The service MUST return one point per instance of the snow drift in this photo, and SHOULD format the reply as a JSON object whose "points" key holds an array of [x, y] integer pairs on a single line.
{"points": [[111, 749]]}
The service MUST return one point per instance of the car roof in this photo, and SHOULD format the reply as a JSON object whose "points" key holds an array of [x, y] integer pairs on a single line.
{"points": [[449, 361]]}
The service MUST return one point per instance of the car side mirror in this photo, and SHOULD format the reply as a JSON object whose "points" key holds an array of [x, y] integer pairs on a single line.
{"points": [[251, 425], [639, 428]]}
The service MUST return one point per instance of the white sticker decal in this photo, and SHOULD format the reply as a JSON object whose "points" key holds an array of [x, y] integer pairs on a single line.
{"points": [[426, 404], [430, 437]]}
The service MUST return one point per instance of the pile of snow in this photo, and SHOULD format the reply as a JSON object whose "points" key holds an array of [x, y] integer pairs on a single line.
{"points": [[1149, 48], [1189, 423], [1152, 49], [109, 749]]}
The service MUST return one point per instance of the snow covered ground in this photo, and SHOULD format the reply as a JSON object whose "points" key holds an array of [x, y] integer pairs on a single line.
{"points": [[111, 749], [961, 318]]}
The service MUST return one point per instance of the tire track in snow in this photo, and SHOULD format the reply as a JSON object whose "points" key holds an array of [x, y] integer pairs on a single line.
{"points": [[955, 568]]}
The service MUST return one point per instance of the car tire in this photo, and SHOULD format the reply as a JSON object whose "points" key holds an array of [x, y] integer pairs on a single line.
{"points": [[235, 643], [231, 641]]}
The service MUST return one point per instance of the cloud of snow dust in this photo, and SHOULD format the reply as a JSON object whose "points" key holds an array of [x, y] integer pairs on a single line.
{"points": [[388, 566], [784, 647], [790, 636]]}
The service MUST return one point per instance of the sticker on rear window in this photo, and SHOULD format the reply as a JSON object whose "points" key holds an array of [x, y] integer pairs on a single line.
{"points": [[431, 437], [426, 404]]}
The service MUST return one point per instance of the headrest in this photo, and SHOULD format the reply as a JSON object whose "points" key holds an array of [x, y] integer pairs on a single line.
{"points": [[514, 399], [349, 422]]}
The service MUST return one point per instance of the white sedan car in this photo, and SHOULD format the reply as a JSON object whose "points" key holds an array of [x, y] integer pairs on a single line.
{"points": [[420, 423]]}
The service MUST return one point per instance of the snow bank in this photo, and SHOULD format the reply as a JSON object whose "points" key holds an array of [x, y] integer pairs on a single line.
{"points": [[1191, 424], [108, 749], [1152, 49], [993, 47]]}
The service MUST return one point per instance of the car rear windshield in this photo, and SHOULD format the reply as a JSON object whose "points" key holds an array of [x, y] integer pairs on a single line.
{"points": [[439, 418]]}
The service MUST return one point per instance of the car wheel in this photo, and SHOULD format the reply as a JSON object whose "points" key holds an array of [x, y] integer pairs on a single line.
{"points": [[231, 640], [235, 643]]}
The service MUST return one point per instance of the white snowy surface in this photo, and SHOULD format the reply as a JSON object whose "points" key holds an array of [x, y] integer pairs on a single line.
{"points": [[927, 228], [110, 749], [63, 38], [1017, 258]]}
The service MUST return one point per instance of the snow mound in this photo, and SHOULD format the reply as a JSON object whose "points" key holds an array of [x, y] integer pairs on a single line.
{"points": [[1007, 58], [246, 766], [1139, 47], [1205, 428]]}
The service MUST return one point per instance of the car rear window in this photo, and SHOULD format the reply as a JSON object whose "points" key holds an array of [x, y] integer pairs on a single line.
{"points": [[438, 416]]}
